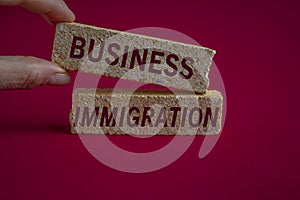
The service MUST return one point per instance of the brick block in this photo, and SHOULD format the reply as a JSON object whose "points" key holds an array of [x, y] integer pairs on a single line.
{"points": [[131, 56], [144, 112]]}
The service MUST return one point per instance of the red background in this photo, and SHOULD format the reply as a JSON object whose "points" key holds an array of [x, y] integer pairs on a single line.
{"points": [[257, 155]]}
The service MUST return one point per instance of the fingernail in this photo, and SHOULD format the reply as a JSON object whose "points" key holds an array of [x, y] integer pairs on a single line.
{"points": [[72, 15], [47, 20], [60, 70], [59, 79]]}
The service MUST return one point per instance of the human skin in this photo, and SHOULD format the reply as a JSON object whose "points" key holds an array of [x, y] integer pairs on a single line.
{"points": [[26, 72]]}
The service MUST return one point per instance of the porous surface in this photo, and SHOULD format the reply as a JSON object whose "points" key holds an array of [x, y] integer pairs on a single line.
{"points": [[91, 99], [202, 56]]}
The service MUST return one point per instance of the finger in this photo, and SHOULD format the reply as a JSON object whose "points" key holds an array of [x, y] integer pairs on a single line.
{"points": [[53, 10], [19, 72]]}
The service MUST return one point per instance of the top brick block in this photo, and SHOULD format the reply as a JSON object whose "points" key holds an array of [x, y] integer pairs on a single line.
{"points": [[132, 57]]}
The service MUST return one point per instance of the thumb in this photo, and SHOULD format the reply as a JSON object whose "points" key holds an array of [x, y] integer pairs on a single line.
{"points": [[22, 72]]}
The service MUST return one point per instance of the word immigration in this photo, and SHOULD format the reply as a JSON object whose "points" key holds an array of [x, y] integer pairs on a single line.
{"points": [[134, 116]]}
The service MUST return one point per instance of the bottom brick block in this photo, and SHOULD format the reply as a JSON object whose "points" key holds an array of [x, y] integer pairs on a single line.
{"points": [[144, 112]]}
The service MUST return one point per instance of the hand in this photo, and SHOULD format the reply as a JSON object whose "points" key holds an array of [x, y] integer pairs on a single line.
{"points": [[20, 72]]}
